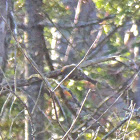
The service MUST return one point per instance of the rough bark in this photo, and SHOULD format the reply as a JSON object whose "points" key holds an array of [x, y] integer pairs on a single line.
{"points": [[35, 44], [137, 94], [3, 35]]}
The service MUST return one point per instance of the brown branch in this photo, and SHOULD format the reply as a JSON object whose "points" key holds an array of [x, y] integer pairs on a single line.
{"points": [[120, 91], [79, 75], [102, 43], [74, 121], [94, 44], [79, 25], [98, 60], [48, 58], [114, 129], [67, 26]]}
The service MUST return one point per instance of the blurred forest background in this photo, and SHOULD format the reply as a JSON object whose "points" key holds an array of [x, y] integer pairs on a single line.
{"points": [[69, 69]]}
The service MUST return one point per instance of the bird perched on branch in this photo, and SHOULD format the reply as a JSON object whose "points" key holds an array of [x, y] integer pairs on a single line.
{"points": [[77, 74]]}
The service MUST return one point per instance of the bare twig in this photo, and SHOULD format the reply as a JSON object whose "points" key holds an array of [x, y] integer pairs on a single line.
{"points": [[10, 131], [92, 46], [121, 90], [74, 121], [67, 26], [30, 117], [45, 115], [96, 133], [131, 114], [95, 61], [35, 66], [102, 43], [114, 129], [71, 38], [128, 118], [9, 96], [40, 90], [10, 110]]}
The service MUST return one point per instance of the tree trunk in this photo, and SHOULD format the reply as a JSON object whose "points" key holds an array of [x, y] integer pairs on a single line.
{"points": [[137, 94], [3, 35], [35, 43]]}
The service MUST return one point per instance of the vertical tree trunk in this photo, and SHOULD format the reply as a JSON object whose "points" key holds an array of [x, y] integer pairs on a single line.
{"points": [[137, 94], [3, 34], [35, 43]]}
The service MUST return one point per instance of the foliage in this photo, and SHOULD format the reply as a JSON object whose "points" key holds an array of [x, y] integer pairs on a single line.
{"points": [[122, 10], [110, 75]]}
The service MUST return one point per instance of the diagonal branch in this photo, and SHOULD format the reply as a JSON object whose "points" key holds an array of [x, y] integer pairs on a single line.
{"points": [[74, 121]]}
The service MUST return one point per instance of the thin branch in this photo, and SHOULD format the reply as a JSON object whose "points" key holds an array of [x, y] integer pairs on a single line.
{"points": [[9, 96], [96, 133], [40, 90], [102, 43], [131, 115], [74, 121], [30, 116], [10, 110], [57, 118], [128, 118], [24, 91], [95, 61], [71, 38], [92, 46], [114, 129], [72, 25], [48, 58], [45, 23], [10, 131], [121, 90]]}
